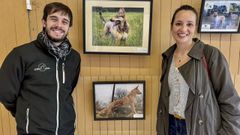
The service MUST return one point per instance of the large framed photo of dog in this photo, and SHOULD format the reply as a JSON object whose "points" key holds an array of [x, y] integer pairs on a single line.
{"points": [[117, 26], [124, 100], [219, 16]]}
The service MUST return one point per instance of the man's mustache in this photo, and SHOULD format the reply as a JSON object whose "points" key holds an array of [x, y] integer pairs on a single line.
{"points": [[57, 28]]}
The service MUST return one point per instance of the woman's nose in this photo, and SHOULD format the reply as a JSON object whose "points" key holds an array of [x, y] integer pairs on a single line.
{"points": [[184, 28]]}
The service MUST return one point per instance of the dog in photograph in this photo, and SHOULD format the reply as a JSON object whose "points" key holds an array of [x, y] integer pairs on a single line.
{"points": [[117, 27], [129, 100]]}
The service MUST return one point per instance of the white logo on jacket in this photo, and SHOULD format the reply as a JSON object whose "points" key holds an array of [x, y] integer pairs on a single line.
{"points": [[42, 67]]}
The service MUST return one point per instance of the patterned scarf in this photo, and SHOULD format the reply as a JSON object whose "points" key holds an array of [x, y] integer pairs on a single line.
{"points": [[59, 51]]}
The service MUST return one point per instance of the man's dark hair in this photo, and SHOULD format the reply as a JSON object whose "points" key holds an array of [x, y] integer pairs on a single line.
{"points": [[184, 7], [56, 7]]}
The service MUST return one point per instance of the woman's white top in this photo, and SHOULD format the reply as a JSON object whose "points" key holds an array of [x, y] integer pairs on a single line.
{"points": [[178, 91]]}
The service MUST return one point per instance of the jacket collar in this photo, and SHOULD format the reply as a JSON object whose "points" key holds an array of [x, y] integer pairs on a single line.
{"points": [[196, 52]]}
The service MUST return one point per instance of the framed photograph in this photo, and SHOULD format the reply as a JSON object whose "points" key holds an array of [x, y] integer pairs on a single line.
{"points": [[117, 26], [124, 100], [219, 16]]}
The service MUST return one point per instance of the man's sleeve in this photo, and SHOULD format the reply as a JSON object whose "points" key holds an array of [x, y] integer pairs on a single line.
{"points": [[77, 73], [11, 76]]}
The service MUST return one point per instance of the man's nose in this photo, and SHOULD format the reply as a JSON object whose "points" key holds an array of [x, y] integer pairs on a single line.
{"points": [[59, 24]]}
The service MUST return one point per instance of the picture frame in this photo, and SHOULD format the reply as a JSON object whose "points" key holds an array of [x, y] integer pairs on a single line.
{"points": [[119, 100], [117, 26], [219, 16]]}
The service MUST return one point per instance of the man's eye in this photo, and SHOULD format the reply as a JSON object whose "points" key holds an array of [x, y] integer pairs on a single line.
{"points": [[53, 19], [65, 22]]}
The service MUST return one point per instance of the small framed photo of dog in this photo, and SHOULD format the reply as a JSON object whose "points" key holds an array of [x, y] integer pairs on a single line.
{"points": [[117, 27], [124, 100], [219, 16]]}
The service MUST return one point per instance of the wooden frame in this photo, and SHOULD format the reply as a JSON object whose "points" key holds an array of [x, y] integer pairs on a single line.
{"points": [[119, 100], [107, 31], [219, 16]]}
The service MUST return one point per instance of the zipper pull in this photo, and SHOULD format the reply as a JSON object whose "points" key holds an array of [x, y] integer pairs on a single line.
{"points": [[57, 63], [63, 72], [27, 117]]}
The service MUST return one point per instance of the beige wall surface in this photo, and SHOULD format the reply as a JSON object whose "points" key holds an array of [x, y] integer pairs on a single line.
{"points": [[19, 26]]}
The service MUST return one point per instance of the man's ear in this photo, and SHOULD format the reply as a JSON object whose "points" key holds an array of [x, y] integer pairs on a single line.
{"points": [[44, 23]]}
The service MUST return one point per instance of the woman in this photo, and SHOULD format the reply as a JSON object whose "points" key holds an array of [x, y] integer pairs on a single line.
{"points": [[197, 93]]}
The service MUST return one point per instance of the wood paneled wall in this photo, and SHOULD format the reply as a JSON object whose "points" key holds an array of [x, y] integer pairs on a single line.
{"points": [[18, 26]]}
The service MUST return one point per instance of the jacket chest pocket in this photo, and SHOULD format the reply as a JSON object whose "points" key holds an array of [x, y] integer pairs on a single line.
{"points": [[41, 72], [68, 74]]}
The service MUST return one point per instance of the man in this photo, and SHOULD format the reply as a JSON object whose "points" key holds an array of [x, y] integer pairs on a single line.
{"points": [[38, 78]]}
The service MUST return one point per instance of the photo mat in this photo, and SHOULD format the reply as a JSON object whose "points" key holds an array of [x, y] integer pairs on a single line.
{"points": [[119, 100], [117, 27], [220, 16]]}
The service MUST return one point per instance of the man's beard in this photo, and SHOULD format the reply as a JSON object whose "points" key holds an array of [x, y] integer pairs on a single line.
{"points": [[54, 39]]}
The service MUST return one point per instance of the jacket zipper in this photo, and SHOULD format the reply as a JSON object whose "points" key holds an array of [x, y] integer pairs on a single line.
{"points": [[63, 72], [57, 96], [27, 118]]}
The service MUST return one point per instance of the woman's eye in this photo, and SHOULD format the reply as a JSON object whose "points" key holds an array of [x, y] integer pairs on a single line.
{"points": [[190, 24], [177, 24]]}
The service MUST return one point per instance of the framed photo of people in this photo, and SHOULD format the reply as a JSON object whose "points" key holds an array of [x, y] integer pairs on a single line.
{"points": [[119, 100], [117, 26], [219, 16]]}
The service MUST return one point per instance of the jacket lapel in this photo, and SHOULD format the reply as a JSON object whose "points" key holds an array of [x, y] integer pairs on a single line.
{"points": [[190, 69]]}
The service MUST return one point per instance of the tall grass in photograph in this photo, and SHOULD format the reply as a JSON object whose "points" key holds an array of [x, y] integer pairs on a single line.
{"points": [[135, 36]]}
